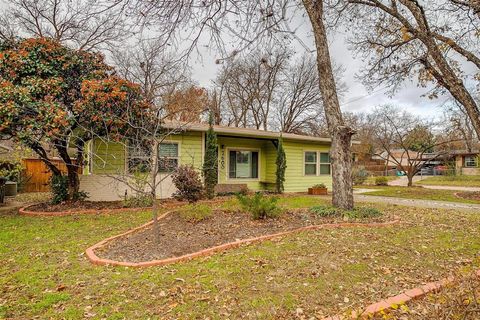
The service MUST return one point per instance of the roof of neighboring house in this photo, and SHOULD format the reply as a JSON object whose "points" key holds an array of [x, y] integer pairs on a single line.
{"points": [[463, 152], [243, 132]]}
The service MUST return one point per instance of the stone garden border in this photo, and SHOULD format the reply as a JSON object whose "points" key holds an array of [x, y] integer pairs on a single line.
{"points": [[90, 252]]}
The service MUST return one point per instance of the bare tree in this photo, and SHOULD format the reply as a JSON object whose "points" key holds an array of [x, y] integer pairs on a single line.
{"points": [[83, 24], [404, 140], [457, 126], [249, 22], [156, 70], [435, 42], [250, 85]]}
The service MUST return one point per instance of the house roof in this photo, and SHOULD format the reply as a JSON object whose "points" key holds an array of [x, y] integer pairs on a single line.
{"points": [[243, 132]]}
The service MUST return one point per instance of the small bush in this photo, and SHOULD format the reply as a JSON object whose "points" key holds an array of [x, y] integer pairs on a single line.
{"points": [[259, 206], [195, 212], [187, 181], [381, 181], [319, 185], [59, 186], [325, 211], [356, 213], [360, 175], [138, 201], [362, 213]]}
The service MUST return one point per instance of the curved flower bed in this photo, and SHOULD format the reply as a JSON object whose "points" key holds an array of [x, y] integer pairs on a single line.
{"points": [[26, 211], [95, 259]]}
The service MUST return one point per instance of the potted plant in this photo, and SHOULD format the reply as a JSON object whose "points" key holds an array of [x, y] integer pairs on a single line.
{"points": [[318, 189]]}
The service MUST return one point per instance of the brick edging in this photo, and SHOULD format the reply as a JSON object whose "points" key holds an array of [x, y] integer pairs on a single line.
{"points": [[399, 299], [25, 212], [90, 252]]}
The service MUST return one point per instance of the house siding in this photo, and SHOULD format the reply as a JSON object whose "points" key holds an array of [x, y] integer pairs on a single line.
{"points": [[109, 160], [295, 180]]}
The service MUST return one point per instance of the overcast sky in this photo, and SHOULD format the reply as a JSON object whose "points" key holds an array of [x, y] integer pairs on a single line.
{"points": [[358, 98]]}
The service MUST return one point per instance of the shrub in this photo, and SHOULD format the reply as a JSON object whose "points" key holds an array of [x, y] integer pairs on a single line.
{"points": [[210, 162], [356, 213], [319, 185], [138, 201], [325, 211], [362, 213], [259, 206], [381, 181], [59, 186], [195, 212], [187, 181], [80, 196], [360, 175], [281, 163]]}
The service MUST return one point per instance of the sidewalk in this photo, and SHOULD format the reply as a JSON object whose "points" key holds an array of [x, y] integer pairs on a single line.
{"points": [[403, 182], [418, 202]]}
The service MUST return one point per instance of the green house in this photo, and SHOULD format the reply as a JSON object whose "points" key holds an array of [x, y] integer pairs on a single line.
{"points": [[246, 157]]}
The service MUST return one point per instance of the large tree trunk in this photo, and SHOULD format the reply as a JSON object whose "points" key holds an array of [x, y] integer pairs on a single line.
{"points": [[341, 158]]}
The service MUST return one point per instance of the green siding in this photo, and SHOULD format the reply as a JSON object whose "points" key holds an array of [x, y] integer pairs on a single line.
{"points": [[107, 157], [191, 150], [295, 180], [110, 157]]}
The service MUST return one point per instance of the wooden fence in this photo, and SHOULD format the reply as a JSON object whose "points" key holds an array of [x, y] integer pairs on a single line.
{"points": [[38, 175]]}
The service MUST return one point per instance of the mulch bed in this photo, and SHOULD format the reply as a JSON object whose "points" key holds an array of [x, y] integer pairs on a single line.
{"points": [[76, 206], [470, 195], [179, 237]]}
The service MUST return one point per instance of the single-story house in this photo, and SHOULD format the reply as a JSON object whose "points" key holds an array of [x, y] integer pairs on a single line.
{"points": [[466, 161], [246, 157]]}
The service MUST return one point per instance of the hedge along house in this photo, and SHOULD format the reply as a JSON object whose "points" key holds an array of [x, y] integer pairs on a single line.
{"points": [[246, 158]]}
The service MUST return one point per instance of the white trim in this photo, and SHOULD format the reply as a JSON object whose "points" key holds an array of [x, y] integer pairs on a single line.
{"points": [[178, 157], [316, 163], [227, 166]]}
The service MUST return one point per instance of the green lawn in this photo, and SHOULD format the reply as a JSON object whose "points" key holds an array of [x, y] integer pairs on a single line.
{"points": [[44, 273], [464, 181], [416, 193]]}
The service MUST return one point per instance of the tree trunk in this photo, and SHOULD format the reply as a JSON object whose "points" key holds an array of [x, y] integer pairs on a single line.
{"points": [[153, 190], [410, 179], [447, 76], [73, 180], [341, 158]]}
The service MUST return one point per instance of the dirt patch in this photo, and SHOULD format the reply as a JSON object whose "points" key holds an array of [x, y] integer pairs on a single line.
{"points": [[178, 237], [469, 195]]}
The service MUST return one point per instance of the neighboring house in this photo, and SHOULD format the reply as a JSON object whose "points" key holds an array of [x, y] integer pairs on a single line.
{"points": [[246, 158], [466, 162]]}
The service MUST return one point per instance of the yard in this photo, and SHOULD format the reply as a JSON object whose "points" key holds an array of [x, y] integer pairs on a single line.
{"points": [[318, 273], [460, 180], [423, 193]]}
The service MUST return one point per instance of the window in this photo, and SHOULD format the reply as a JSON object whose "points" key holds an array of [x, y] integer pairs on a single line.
{"points": [[471, 161], [243, 164], [324, 163], [310, 163], [167, 157], [139, 159], [316, 162]]}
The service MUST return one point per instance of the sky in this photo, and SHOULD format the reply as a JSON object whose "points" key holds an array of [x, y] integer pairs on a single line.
{"points": [[357, 98]]}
